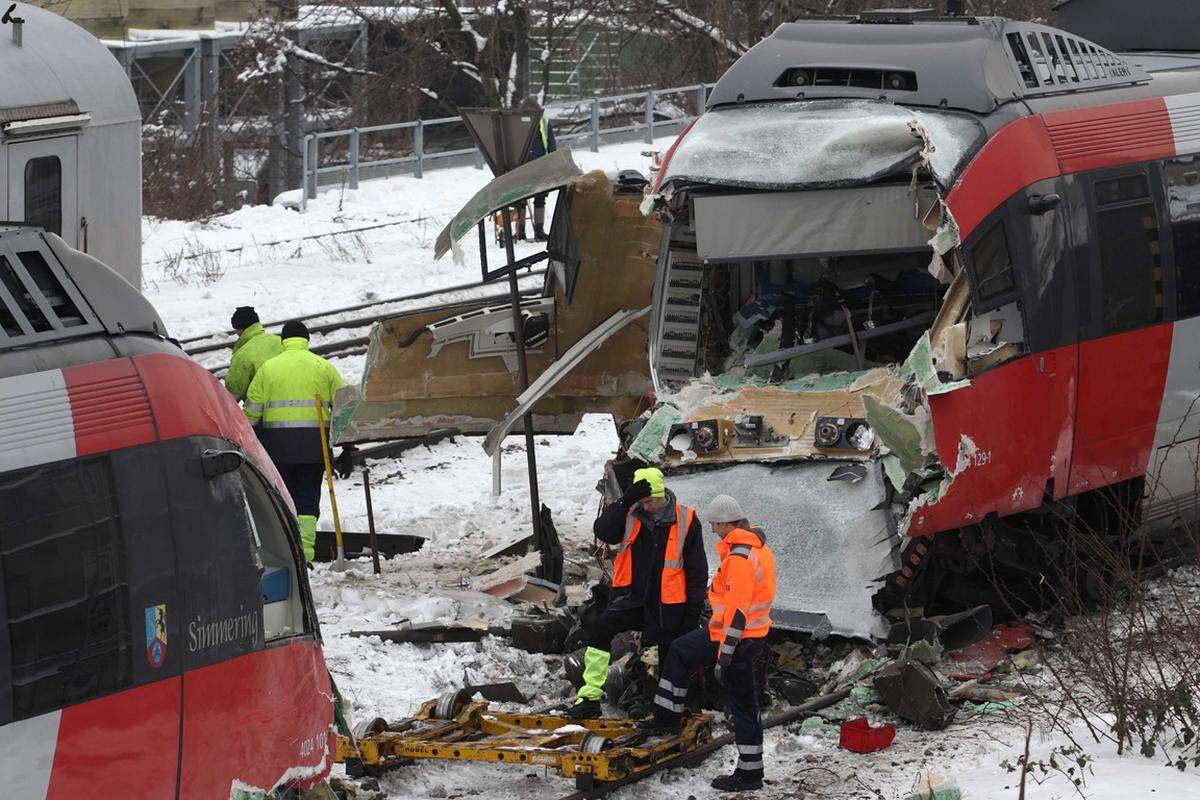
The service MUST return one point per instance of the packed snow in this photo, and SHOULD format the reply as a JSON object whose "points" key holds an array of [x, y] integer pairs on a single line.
{"points": [[256, 256]]}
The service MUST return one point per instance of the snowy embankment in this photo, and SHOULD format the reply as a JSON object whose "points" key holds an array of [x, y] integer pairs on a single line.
{"points": [[257, 256]]}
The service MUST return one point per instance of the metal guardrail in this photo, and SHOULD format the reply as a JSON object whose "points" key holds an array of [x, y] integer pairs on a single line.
{"points": [[353, 163]]}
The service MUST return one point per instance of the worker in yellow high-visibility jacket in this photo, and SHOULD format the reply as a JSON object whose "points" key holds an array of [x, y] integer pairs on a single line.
{"points": [[542, 144], [253, 348], [281, 404]]}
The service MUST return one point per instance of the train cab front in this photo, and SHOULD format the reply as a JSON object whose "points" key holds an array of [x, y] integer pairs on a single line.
{"points": [[160, 635], [811, 298]]}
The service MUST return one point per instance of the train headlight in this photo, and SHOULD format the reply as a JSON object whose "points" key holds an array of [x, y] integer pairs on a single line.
{"points": [[860, 436], [828, 433]]}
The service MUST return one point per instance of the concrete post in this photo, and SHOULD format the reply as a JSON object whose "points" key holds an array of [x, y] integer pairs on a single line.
{"points": [[701, 98]]}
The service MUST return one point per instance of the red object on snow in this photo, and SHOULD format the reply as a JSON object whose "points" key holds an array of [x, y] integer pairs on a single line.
{"points": [[859, 737], [976, 661]]}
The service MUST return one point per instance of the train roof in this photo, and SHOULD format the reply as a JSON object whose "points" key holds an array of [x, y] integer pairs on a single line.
{"points": [[970, 64], [60, 70], [59, 306]]}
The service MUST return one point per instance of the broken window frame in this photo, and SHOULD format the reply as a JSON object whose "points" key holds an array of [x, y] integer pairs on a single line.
{"points": [[562, 232], [1100, 324], [1184, 269], [986, 302]]}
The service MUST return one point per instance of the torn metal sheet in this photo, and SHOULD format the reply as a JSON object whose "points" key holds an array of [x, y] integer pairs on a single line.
{"points": [[551, 171], [488, 331], [832, 541], [914, 692], [558, 370], [651, 441], [418, 376], [908, 436]]}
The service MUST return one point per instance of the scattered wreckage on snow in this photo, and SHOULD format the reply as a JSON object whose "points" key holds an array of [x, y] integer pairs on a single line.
{"points": [[913, 309]]}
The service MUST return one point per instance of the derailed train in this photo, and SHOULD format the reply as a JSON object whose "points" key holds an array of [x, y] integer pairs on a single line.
{"points": [[157, 633], [904, 278]]}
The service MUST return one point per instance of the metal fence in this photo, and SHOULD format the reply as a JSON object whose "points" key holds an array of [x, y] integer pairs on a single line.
{"points": [[613, 117]]}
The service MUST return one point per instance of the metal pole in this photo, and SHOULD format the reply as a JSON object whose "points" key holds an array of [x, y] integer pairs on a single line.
{"points": [[354, 158], [478, 158], [701, 98], [419, 149], [304, 173], [371, 521], [312, 150], [523, 376], [595, 124], [649, 117]]}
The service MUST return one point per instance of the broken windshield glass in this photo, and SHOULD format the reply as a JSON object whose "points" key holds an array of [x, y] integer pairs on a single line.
{"points": [[819, 143]]}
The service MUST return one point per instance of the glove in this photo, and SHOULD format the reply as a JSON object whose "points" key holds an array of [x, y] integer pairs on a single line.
{"points": [[343, 467], [639, 490], [719, 673]]}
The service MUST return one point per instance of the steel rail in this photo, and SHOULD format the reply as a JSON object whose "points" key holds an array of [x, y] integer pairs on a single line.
{"points": [[208, 348]]}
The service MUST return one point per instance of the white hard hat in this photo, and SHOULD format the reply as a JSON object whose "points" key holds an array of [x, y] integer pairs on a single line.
{"points": [[723, 508]]}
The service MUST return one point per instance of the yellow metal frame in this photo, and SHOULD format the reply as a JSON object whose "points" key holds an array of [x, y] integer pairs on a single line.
{"points": [[477, 734]]}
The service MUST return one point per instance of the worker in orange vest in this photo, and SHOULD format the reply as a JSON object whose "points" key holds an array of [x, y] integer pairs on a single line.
{"points": [[741, 595], [658, 582]]}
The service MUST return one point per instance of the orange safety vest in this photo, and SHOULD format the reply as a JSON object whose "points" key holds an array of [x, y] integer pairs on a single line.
{"points": [[674, 582], [742, 591]]}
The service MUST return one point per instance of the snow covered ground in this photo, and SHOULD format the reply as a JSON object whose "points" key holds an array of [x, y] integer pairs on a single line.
{"points": [[444, 492]]}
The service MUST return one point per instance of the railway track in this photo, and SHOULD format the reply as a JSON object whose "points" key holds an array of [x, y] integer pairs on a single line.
{"points": [[329, 324]]}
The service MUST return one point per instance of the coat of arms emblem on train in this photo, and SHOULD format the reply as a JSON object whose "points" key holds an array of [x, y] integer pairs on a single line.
{"points": [[156, 635]]}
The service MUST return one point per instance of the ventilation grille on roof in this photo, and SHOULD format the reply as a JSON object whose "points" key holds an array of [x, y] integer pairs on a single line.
{"points": [[38, 300], [1051, 61], [58, 108], [856, 77]]}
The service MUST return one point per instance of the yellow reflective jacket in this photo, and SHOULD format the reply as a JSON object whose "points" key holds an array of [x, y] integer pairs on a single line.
{"points": [[254, 346], [281, 402]]}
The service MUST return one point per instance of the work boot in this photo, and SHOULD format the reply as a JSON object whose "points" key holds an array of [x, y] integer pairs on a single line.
{"points": [[539, 223], [653, 726], [308, 535], [539, 235], [737, 782], [584, 709]]}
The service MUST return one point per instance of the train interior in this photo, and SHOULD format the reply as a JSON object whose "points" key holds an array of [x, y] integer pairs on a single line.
{"points": [[283, 610], [830, 297]]}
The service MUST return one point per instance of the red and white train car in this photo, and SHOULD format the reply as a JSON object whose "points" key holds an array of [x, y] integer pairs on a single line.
{"points": [[157, 633]]}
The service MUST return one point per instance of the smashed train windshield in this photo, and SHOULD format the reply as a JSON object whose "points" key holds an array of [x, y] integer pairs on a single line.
{"points": [[819, 143]]}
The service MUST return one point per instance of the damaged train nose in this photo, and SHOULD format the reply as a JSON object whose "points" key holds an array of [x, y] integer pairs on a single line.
{"points": [[806, 303]]}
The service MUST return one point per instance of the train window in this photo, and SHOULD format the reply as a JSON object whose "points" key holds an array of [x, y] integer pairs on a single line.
{"points": [[992, 265], [1183, 190], [283, 611], [69, 637], [1131, 275], [43, 193]]}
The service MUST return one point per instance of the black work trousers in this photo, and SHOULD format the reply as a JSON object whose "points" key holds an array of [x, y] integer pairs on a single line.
{"points": [[692, 652], [610, 623], [303, 482]]}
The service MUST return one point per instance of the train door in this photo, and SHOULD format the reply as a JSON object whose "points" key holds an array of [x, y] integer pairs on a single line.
{"points": [[43, 185], [256, 696], [1172, 478], [89, 630], [1125, 342]]}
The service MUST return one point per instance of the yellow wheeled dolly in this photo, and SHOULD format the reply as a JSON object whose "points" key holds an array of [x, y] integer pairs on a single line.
{"points": [[455, 728]]}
